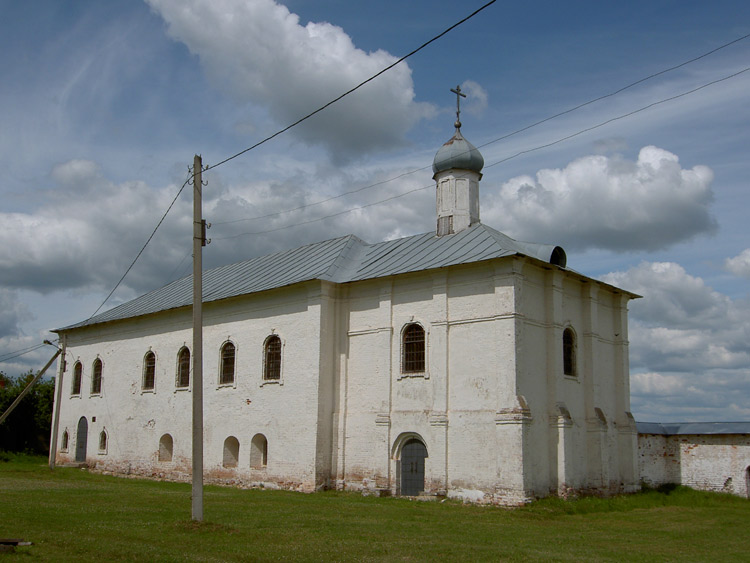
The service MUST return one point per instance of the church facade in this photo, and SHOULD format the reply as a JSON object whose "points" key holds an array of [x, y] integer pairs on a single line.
{"points": [[458, 362]]}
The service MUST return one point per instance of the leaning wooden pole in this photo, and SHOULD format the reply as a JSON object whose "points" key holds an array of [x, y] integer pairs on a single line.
{"points": [[198, 242], [23, 393]]}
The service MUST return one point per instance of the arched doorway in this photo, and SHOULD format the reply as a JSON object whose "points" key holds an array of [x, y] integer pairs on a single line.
{"points": [[747, 481], [82, 436], [411, 467]]}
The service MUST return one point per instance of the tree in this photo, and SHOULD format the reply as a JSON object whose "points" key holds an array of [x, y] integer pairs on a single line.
{"points": [[28, 426]]}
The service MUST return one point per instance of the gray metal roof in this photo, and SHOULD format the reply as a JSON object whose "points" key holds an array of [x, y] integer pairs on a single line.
{"points": [[683, 428], [339, 260]]}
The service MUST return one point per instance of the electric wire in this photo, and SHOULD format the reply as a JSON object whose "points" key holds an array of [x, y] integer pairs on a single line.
{"points": [[191, 175], [21, 352], [506, 136], [287, 128], [623, 116], [357, 87], [539, 147]]}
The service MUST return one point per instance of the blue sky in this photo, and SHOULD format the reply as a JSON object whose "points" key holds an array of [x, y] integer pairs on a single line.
{"points": [[105, 103]]}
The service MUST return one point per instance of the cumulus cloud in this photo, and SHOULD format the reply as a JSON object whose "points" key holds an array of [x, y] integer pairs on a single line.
{"points": [[85, 233], [608, 203], [87, 229], [12, 313], [740, 264], [689, 345], [258, 51], [476, 98]]}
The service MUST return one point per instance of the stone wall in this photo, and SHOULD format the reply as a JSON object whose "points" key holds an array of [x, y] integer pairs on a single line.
{"points": [[709, 462]]}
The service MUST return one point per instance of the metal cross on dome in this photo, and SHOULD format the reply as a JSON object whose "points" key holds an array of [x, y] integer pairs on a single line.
{"points": [[459, 95]]}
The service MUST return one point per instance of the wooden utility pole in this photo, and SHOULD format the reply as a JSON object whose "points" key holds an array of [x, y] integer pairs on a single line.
{"points": [[199, 240], [56, 406]]}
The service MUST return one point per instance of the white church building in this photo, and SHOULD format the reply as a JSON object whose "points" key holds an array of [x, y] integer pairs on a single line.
{"points": [[458, 362]]}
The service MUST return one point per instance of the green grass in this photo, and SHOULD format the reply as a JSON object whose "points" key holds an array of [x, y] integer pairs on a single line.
{"points": [[74, 515]]}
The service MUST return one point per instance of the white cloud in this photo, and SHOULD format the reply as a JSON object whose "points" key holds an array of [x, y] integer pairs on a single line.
{"points": [[85, 232], [476, 98], [258, 51], [655, 384], [12, 313], [740, 264], [689, 346], [87, 229], [608, 203]]}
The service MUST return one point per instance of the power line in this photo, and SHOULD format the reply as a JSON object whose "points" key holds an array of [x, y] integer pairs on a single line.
{"points": [[605, 96], [623, 116], [185, 183], [287, 128], [511, 134], [18, 353], [357, 87], [539, 147]]}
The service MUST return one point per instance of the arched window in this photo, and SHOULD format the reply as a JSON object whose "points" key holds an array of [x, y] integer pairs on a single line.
{"points": [[183, 367], [103, 441], [258, 452], [413, 349], [272, 358], [77, 376], [165, 447], [65, 441], [96, 377], [569, 352], [149, 371], [226, 376], [231, 452]]}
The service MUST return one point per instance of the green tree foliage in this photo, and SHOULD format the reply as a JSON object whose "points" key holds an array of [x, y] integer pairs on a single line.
{"points": [[28, 426]]}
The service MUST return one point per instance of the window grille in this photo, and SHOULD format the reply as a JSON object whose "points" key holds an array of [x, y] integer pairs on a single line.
{"points": [[413, 349], [96, 377], [272, 361], [77, 376], [227, 364], [149, 371], [183, 367], [102, 441]]}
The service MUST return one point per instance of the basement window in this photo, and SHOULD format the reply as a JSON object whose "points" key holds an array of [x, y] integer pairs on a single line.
{"points": [[258, 452], [166, 445], [103, 442], [231, 452]]}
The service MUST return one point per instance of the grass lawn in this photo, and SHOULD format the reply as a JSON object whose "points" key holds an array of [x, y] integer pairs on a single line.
{"points": [[74, 515]]}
